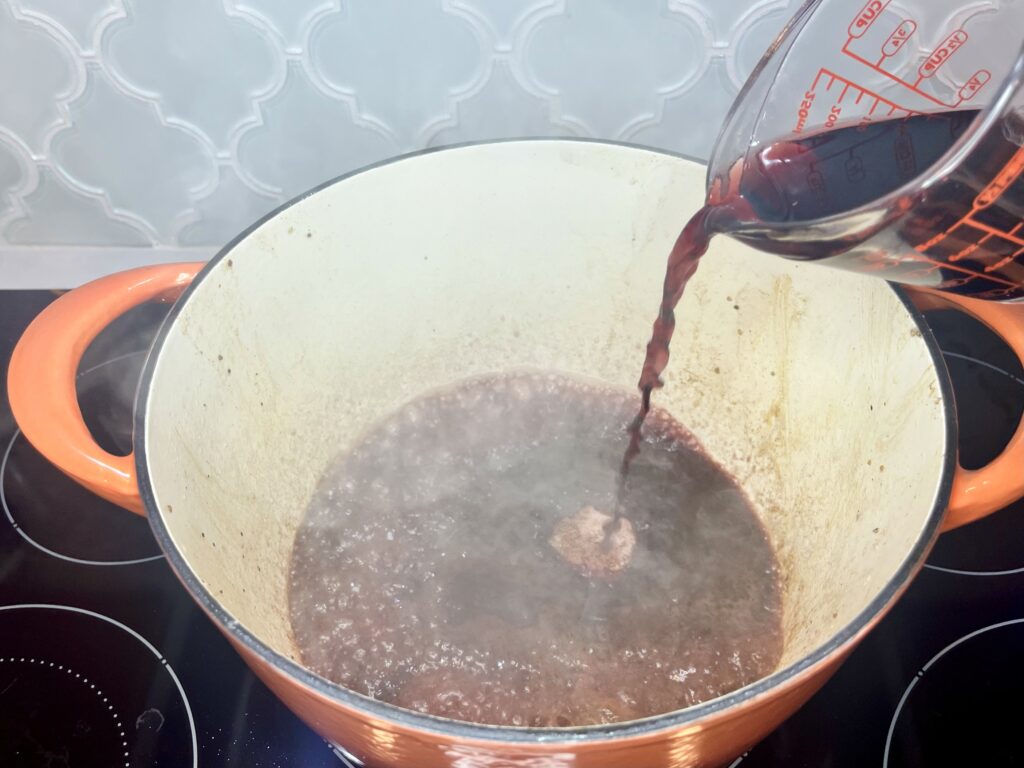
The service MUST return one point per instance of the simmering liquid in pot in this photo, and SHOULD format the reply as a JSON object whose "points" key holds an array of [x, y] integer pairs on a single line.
{"points": [[529, 550], [475, 556]]}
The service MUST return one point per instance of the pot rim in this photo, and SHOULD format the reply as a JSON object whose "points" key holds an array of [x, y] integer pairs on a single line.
{"points": [[784, 678]]}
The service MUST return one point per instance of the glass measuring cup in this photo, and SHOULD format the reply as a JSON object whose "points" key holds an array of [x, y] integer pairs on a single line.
{"points": [[924, 186]]}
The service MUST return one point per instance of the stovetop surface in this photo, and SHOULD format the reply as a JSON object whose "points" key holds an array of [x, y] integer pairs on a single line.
{"points": [[106, 661]]}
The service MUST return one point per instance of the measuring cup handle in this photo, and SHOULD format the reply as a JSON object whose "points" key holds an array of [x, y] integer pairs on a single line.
{"points": [[44, 365], [979, 492]]}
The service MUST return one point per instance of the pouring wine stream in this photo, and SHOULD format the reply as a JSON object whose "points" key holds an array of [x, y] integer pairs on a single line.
{"points": [[596, 542]]}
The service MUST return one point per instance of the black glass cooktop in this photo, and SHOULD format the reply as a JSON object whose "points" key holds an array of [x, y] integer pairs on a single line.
{"points": [[106, 661]]}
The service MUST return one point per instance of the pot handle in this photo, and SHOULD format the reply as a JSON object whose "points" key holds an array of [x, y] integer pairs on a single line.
{"points": [[979, 492], [44, 365]]}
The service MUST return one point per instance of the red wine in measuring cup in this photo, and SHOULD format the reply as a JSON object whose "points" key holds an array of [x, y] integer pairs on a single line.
{"points": [[835, 171], [963, 234]]}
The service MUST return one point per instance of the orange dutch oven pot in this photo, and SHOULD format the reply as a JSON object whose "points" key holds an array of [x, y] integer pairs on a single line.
{"points": [[824, 394]]}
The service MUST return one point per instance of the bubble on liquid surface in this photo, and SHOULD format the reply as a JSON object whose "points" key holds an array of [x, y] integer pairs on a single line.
{"points": [[430, 569], [596, 543]]}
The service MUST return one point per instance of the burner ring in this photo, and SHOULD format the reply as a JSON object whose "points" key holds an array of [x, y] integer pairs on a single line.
{"points": [[348, 760], [118, 725], [77, 676], [921, 673], [22, 532], [42, 548], [958, 572], [982, 529]]}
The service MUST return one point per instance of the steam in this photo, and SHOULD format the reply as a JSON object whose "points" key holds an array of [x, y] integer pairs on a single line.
{"points": [[439, 566], [114, 362]]}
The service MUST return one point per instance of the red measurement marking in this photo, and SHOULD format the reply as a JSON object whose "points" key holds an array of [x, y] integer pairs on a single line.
{"points": [[830, 78], [966, 271], [867, 16], [968, 250], [804, 110], [941, 55], [877, 67], [833, 117], [936, 239], [1003, 179], [1006, 176], [862, 91], [974, 84], [963, 254], [969, 222], [1003, 262], [899, 36]]}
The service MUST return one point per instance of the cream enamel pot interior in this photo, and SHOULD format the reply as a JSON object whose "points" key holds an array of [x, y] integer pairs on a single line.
{"points": [[817, 389]]}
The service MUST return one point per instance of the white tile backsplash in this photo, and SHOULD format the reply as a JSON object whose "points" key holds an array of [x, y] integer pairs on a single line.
{"points": [[134, 131]]}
